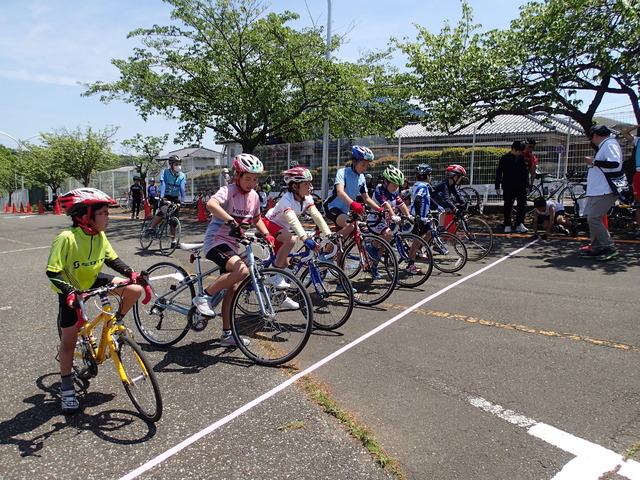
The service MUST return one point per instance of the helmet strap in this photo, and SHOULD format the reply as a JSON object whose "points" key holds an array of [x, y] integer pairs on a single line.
{"points": [[86, 225]]}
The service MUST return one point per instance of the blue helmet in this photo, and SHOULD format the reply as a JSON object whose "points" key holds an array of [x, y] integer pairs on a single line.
{"points": [[361, 153]]}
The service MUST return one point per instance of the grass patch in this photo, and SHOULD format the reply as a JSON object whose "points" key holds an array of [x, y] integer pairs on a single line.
{"points": [[320, 395], [291, 426]]}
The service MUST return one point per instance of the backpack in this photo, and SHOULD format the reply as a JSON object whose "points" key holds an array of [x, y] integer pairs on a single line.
{"points": [[629, 165]]}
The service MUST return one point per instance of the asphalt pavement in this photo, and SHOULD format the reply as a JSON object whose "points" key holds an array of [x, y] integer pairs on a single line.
{"points": [[522, 366]]}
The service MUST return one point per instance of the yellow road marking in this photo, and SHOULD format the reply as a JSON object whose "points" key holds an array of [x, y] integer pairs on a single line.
{"points": [[521, 328]]}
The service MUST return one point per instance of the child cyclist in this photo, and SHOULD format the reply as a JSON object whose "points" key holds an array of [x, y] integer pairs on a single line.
{"points": [[548, 213], [232, 205], [446, 193], [286, 213], [421, 201], [348, 184], [75, 262], [387, 195]]}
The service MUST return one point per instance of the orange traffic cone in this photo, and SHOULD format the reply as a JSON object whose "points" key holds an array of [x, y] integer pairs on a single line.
{"points": [[7, 208], [40, 207], [605, 221], [22, 208], [14, 209], [56, 208], [202, 214], [147, 208], [28, 207]]}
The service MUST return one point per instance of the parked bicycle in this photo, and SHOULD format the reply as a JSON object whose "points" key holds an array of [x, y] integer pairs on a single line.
{"points": [[116, 342], [328, 286], [476, 234], [125, 202], [565, 190], [162, 232], [277, 333]]}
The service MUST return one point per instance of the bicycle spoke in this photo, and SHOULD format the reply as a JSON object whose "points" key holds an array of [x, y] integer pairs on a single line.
{"points": [[331, 294]]}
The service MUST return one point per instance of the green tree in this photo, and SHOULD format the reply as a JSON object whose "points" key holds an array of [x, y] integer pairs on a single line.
{"points": [[147, 149], [82, 152], [43, 167], [555, 50], [9, 161], [232, 67]]}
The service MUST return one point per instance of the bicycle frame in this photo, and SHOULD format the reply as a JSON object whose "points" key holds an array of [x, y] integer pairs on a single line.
{"points": [[266, 308], [106, 343]]}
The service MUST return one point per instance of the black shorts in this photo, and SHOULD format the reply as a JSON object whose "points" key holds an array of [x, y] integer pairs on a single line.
{"points": [[220, 255], [333, 214], [67, 316]]}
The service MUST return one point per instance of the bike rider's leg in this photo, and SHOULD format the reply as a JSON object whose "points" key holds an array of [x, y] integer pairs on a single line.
{"points": [[284, 244], [129, 295]]}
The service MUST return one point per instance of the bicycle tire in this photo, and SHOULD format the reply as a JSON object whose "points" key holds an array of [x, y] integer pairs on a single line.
{"points": [[141, 383], [471, 197], [423, 261], [535, 192], [332, 297], [453, 258], [369, 290], [85, 366], [146, 238], [124, 204], [167, 247], [277, 338], [156, 321], [477, 237]]}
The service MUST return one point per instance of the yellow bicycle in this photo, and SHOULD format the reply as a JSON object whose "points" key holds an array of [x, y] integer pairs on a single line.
{"points": [[116, 342]]}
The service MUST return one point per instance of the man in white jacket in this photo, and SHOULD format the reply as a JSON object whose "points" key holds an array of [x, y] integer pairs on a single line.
{"points": [[600, 197]]}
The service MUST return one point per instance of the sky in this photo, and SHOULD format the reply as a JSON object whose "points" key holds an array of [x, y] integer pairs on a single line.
{"points": [[48, 48]]}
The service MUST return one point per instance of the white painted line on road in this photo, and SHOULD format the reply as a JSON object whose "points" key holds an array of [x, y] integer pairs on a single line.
{"points": [[591, 460], [23, 250], [223, 421], [5, 308]]}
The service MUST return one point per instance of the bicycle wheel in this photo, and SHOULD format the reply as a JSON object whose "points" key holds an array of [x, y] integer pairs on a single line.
{"points": [[282, 332], [167, 245], [331, 294], [472, 198], [423, 261], [477, 236], [123, 203], [146, 237], [536, 192], [140, 381], [84, 362], [163, 321], [449, 252], [371, 289]]}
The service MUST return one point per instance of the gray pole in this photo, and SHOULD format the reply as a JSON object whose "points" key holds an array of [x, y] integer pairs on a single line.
{"points": [[325, 137]]}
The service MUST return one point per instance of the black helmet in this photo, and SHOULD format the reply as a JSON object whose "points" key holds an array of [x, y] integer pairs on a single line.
{"points": [[136, 178], [173, 159], [599, 129], [424, 169]]}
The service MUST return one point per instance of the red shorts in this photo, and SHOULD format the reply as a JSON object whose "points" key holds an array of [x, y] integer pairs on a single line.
{"points": [[636, 185], [274, 229]]}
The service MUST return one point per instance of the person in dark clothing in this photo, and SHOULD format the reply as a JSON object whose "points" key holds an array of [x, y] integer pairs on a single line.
{"points": [[512, 182], [137, 194]]}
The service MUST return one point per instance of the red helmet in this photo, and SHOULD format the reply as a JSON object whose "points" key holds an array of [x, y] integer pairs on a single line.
{"points": [[452, 170], [74, 200], [298, 175]]}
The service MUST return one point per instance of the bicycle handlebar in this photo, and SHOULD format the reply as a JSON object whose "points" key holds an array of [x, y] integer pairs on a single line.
{"points": [[82, 295]]}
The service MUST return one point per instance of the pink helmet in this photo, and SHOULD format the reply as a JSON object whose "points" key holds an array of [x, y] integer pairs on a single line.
{"points": [[247, 163]]}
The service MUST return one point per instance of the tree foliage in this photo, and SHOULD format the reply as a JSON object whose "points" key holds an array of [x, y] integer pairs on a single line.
{"points": [[9, 160], [43, 167], [556, 54], [234, 68], [82, 152], [146, 151]]}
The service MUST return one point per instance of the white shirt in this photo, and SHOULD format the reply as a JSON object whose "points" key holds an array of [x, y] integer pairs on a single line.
{"points": [[597, 184], [288, 202]]}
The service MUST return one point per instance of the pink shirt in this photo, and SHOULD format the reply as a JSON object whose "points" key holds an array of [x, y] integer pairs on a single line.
{"points": [[243, 207]]}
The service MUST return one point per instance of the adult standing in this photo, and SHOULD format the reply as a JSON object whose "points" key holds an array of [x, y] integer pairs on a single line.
{"points": [[136, 191], [635, 155], [530, 159], [600, 196], [512, 182], [224, 178]]}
